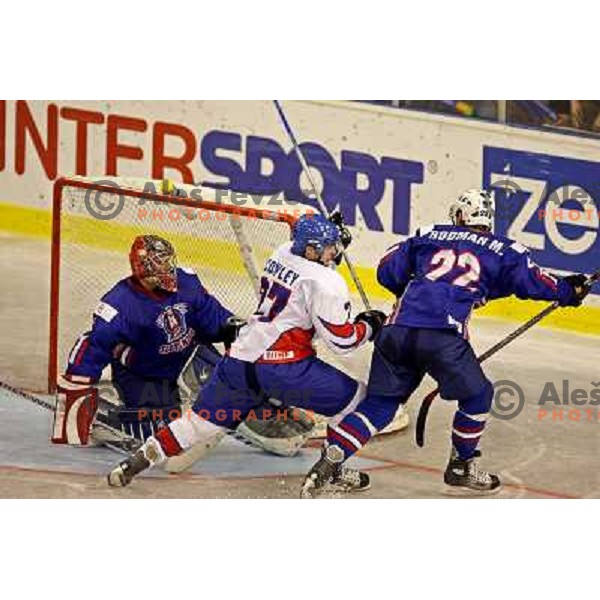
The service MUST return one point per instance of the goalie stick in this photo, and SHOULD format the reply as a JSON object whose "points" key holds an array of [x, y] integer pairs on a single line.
{"points": [[428, 400]]}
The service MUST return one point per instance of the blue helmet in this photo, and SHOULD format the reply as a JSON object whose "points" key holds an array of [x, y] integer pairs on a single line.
{"points": [[313, 230]]}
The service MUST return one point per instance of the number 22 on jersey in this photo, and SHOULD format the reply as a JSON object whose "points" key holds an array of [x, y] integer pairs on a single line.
{"points": [[446, 260], [273, 299]]}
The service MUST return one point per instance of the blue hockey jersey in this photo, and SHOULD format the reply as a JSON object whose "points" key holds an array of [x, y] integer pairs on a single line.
{"points": [[152, 334], [442, 272]]}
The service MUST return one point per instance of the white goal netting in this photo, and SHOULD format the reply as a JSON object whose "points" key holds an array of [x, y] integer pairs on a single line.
{"points": [[90, 250]]}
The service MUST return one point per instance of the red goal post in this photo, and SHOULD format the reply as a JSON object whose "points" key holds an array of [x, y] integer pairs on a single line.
{"points": [[226, 244]]}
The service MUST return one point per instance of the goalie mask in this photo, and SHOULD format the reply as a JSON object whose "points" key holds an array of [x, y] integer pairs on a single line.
{"points": [[153, 258], [476, 207]]}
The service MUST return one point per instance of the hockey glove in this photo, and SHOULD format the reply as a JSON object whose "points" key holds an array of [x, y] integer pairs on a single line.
{"points": [[374, 319], [76, 406], [345, 235], [580, 287], [230, 329]]}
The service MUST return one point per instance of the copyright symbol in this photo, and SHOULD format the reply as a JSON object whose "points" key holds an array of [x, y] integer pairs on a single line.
{"points": [[508, 401], [106, 208]]}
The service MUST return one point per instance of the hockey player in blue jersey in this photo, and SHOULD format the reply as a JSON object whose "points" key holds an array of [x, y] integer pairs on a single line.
{"points": [[438, 277], [146, 327], [302, 296]]}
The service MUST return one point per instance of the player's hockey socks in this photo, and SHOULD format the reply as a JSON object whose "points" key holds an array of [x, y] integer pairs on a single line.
{"points": [[350, 435], [373, 414], [76, 406], [469, 422], [466, 433], [168, 441]]}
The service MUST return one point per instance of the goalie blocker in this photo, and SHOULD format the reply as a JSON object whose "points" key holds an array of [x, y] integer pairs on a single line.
{"points": [[76, 406]]}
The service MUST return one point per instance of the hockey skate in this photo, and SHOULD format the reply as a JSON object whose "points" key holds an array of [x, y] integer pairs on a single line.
{"points": [[464, 477], [330, 475], [125, 471]]}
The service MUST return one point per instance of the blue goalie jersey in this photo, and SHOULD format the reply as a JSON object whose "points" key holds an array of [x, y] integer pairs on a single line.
{"points": [[444, 271], [151, 333]]}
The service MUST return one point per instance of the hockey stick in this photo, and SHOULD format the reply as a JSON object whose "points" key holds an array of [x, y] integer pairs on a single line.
{"points": [[428, 400], [322, 207]]}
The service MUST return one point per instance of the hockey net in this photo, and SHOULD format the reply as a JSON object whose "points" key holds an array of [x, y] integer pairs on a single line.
{"points": [[95, 223]]}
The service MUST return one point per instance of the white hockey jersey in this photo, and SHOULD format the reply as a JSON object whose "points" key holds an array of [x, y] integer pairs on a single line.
{"points": [[299, 301]]}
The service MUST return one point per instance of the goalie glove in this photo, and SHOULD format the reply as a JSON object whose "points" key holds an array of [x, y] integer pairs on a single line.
{"points": [[230, 329], [580, 287], [75, 409], [374, 319]]}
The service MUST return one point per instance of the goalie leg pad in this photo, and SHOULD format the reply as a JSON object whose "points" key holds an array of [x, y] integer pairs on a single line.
{"points": [[283, 434]]}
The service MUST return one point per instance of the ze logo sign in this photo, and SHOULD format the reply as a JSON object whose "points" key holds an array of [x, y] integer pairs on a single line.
{"points": [[549, 204]]}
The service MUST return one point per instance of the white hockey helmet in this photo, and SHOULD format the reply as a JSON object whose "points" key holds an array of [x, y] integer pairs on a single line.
{"points": [[476, 207]]}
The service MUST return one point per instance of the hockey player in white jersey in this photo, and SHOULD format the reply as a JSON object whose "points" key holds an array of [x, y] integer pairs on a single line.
{"points": [[302, 297]]}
